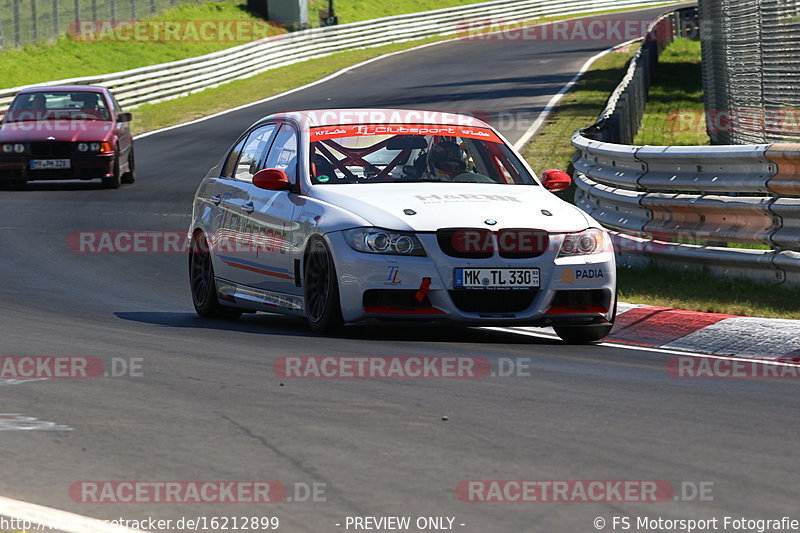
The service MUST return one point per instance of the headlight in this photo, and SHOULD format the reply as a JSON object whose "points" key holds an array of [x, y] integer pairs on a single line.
{"points": [[94, 147], [379, 241], [17, 148], [83, 147], [591, 241]]}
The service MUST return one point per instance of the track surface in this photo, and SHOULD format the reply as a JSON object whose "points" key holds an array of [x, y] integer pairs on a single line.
{"points": [[210, 408]]}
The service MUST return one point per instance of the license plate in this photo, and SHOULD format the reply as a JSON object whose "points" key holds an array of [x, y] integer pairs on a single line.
{"points": [[49, 164], [496, 278]]}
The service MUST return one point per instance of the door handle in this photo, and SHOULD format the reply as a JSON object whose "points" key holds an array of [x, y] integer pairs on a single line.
{"points": [[248, 207], [216, 199]]}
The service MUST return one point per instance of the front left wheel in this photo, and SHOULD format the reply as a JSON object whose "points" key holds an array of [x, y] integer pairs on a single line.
{"points": [[321, 290], [114, 180], [203, 284]]}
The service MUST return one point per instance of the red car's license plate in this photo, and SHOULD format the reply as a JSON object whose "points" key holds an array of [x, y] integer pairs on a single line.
{"points": [[50, 164]]}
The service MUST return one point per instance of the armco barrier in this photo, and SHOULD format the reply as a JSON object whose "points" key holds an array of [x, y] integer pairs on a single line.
{"points": [[685, 204], [171, 80]]}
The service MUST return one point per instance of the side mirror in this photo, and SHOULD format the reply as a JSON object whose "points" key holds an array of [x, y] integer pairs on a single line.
{"points": [[556, 180], [124, 117], [272, 179]]}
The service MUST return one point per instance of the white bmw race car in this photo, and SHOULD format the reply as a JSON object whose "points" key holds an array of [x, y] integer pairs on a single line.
{"points": [[348, 216]]}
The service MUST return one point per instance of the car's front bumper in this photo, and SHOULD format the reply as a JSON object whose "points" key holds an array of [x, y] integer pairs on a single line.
{"points": [[83, 167], [576, 290]]}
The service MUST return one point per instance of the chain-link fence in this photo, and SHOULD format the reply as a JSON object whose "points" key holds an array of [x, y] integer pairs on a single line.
{"points": [[31, 21], [751, 70]]}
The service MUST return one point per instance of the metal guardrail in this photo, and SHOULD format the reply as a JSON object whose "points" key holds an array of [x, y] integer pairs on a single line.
{"points": [[686, 204], [158, 83]]}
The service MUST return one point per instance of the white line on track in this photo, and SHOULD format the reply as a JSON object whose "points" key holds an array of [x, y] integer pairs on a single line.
{"points": [[48, 519]]}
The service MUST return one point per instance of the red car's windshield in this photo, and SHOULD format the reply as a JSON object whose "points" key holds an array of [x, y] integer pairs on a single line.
{"points": [[58, 105], [417, 153]]}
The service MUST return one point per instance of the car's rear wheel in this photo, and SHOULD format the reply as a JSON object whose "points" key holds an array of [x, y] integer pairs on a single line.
{"points": [[201, 279], [113, 181], [321, 289], [130, 175]]}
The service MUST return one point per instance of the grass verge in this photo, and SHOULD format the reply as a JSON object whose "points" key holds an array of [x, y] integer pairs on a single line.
{"points": [[579, 108], [355, 10], [694, 290], [68, 57], [675, 114]]}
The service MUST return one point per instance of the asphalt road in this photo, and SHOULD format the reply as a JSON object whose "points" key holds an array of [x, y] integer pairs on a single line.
{"points": [[210, 407]]}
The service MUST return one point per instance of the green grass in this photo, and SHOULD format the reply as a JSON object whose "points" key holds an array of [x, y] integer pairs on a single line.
{"points": [[694, 290], [675, 114], [355, 10], [68, 58], [579, 108]]}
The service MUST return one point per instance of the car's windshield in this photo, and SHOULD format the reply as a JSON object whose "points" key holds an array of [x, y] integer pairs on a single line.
{"points": [[408, 153], [58, 105]]}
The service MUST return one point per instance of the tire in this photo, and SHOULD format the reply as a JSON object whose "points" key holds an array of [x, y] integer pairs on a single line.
{"points": [[130, 176], [321, 290], [114, 181], [201, 281]]}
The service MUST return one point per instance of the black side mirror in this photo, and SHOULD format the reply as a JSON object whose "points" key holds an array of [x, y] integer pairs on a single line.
{"points": [[124, 117]]}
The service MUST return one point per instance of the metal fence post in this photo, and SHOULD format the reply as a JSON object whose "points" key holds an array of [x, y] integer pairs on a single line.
{"points": [[133, 9], [17, 35], [94, 10], [77, 11], [55, 19], [113, 9], [152, 7], [34, 24]]}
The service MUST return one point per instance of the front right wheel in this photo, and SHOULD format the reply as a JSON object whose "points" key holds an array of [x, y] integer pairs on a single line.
{"points": [[321, 290]]}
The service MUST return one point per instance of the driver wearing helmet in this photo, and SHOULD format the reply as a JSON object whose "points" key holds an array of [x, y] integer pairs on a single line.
{"points": [[447, 161]]}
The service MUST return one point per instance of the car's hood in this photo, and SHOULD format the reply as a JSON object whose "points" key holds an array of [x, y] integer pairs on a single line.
{"points": [[59, 130], [430, 206]]}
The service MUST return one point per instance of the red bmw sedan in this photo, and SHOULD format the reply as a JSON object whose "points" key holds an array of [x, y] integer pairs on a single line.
{"points": [[66, 133]]}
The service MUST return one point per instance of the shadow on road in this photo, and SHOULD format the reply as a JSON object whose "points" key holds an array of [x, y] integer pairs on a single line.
{"points": [[268, 324]]}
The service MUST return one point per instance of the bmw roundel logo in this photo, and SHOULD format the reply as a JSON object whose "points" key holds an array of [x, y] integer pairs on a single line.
{"points": [[490, 222]]}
